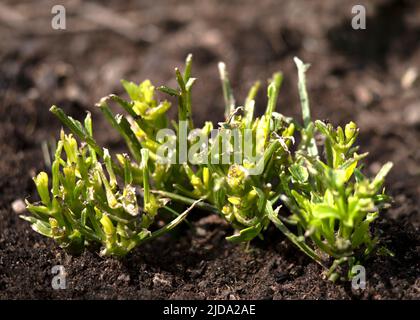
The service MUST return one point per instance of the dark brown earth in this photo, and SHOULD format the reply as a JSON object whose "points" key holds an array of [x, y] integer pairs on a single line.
{"points": [[359, 75]]}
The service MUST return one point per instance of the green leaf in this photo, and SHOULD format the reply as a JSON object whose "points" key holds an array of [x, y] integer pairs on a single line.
{"points": [[76, 128], [273, 93], [154, 113], [323, 211], [110, 196], [108, 166], [301, 200], [380, 177], [350, 130], [41, 182], [272, 215], [123, 127], [170, 225], [304, 101], [188, 66], [70, 147], [246, 234], [170, 91], [349, 170], [145, 169], [132, 89], [234, 200], [107, 225], [299, 173], [190, 83], [39, 226], [250, 104], [360, 233], [227, 90]]}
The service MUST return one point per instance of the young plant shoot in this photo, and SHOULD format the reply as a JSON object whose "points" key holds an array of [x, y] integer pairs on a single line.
{"points": [[247, 169], [331, 201], [87, 203]]}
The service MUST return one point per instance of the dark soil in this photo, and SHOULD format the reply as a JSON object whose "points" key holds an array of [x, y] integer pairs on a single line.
{"points": [[355, 75]]}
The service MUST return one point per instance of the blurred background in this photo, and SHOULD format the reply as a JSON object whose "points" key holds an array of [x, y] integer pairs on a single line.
{"points": [[369, 76]]}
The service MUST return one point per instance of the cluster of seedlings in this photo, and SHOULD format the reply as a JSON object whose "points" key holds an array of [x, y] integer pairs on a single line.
{"points": [[312, 190]]}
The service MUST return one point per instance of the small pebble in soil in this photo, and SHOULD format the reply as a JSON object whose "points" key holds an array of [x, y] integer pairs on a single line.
{"points": [[363, 95], [159, 280], [124, 277], [411, 114], [18, 206], [200, 232], [409, 77]]}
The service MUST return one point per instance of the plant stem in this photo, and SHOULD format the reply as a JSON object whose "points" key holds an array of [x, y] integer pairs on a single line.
{"points": [[172, 224], [227, 90], [304, 101], [176, 197], [292, 237]]}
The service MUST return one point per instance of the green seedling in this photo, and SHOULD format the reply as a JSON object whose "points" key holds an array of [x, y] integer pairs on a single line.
{"points": [[87, 204], [332, 202], [248, 172], [224, 178]]}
